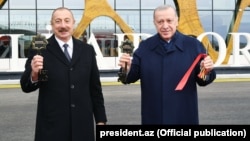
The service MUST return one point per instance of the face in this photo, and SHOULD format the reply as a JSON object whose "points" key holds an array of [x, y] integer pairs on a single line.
{"points": [[166, 22], [63, 24]]}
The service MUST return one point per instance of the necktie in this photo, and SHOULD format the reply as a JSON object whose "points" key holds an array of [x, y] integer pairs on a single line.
{"points": [[66, 51]]}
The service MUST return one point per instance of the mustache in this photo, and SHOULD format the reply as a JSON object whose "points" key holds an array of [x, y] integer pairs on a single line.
{"points": [[63, 30]]}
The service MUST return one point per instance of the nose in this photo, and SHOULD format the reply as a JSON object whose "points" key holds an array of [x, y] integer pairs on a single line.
{"points": [[63, 24], [165, 24]]}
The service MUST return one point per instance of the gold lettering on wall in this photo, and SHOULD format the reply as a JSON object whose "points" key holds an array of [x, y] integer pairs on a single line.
{"points": [[235, 23], [189, 23]]}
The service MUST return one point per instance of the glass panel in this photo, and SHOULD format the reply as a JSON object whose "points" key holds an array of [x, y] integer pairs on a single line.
{"points": [[22, 4], [127, 4], [23, 22], [4, 21], [147, 24], [80, 4], [111, 3], [151, 4], [244, 27], [102, 23], [220, 4], [43, 21], [49, 4], [206, 20], [171, 2], [221, 22], [103, 29], [132, 18], [204, 4]]}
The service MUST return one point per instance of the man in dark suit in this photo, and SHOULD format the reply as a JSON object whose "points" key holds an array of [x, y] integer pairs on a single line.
{"points": [[160, 62], [71, 101]]}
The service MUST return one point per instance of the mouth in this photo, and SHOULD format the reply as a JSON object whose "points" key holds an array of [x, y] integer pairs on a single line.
{"points": [[165, 32]]}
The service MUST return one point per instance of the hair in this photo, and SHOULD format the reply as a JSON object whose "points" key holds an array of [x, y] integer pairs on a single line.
{"points": [[164, 7], [61, 8]]}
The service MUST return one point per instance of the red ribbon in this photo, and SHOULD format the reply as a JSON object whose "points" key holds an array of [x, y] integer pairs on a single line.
{"points": [[184, 79]]}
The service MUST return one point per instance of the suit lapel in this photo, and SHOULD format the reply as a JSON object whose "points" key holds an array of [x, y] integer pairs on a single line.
{"points": [[56, 50], [76, 51]]}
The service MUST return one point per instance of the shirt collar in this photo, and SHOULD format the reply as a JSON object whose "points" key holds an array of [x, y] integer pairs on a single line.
{"points": [[169, 41], [61, 43]]}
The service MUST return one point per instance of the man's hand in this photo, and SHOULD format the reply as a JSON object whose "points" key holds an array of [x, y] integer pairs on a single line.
{"points": [[207, 64], [125, 59], [101, 123], [36, 65]]}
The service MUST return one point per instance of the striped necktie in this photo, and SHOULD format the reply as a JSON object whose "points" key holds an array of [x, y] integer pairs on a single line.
{"points": [[66, 51]]}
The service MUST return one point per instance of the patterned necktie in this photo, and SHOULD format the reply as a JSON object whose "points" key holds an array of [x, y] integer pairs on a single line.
{"points": [[66, 51]]}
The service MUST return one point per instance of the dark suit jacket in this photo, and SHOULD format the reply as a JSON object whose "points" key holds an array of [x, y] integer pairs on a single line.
{"points": [[71, 98], [160, 71]]}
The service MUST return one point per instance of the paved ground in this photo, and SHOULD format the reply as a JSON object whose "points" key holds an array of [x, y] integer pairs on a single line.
{"points": [[220, 103]]}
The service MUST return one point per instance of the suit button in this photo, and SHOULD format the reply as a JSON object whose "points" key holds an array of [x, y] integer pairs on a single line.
{"points": [[72, 105], [72, 86], [71, 69]]}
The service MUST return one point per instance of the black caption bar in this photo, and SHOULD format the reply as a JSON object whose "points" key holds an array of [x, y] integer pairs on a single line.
{"points": [[163, 132]]}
